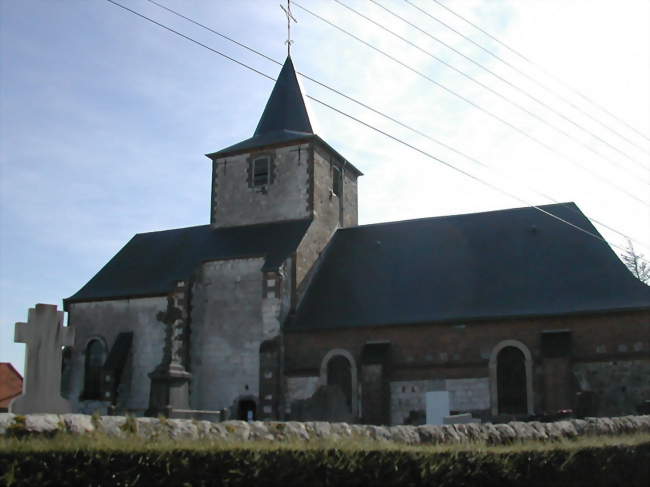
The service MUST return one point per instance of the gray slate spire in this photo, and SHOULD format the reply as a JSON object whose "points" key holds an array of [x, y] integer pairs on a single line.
{"points": [[286, 108], [284, 118]]}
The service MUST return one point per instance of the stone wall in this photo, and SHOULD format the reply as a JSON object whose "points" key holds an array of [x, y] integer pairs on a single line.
{"points": [[152, 428], [407, 400], [236, 202], [227, 331], [105, 320], [618, 385], [328, 209], [468, 394]]}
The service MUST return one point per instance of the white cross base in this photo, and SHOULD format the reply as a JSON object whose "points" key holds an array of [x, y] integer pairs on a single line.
{"points": [[45, 336]]}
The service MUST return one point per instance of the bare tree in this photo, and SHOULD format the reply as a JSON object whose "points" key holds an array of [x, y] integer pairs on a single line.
{"points": [[636, 263]]}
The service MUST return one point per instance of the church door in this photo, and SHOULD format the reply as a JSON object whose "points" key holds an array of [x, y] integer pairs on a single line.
{"points": [[511, 381], [247, 410], [339, 374]]}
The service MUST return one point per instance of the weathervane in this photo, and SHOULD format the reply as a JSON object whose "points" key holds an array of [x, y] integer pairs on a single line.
{"points": [[290, 17]]}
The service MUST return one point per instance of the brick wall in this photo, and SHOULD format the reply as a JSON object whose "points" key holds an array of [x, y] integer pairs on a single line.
{"points": [[461, 351]]}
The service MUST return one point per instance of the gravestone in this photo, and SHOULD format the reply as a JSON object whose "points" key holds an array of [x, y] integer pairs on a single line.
{"points": [[44, 336], [465, 418], [437, 403]]}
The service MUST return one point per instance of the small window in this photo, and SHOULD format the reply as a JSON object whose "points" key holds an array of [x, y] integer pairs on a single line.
{"points": [[261, 171], [337, 180]]}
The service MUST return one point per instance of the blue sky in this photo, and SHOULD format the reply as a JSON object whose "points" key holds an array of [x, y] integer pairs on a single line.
{"points": [[104, 119]]}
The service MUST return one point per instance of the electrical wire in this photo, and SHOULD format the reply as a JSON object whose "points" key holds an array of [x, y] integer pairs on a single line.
{"points": [[503, 80], [538, 66], [525, 75], [475, 105], [371, 127]]}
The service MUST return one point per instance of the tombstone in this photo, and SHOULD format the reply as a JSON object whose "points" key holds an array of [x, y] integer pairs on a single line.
{"points": [[586, 404], [45, 337], [643, 408], [465, 418], [437, 403]]}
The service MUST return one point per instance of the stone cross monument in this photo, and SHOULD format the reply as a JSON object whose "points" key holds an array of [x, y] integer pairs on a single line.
{"points": [[45, 336]]}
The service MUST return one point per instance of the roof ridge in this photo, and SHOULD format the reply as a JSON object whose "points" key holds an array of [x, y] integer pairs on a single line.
{"points": [[253, 225], [172, 229], [442, 217]]}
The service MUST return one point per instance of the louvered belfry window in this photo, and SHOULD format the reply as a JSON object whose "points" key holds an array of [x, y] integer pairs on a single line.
{"points": [[337, 180], [261, 171]]}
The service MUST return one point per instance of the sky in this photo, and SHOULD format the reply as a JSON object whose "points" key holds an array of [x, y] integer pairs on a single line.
{"points": [[105, 117]]}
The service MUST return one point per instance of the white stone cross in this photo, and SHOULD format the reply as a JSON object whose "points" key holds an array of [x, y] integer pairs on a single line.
{"points": [[44, 335]]}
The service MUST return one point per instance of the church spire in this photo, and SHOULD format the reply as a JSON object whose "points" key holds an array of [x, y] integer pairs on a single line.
{"points": [[285, 109], [285, 117]]}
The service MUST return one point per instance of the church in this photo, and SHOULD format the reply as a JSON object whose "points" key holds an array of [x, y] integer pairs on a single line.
{"points": [[283, 307]]}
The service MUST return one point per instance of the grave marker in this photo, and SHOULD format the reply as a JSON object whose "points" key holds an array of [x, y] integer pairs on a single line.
{"points": [[465, 418], [437, 403], [44, 335]]}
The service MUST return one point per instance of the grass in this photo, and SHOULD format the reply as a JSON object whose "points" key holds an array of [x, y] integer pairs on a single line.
{"points": [[101, 442]]}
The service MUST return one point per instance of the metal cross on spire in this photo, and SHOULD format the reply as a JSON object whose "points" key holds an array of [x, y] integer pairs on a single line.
{"points": [[290, 17]]}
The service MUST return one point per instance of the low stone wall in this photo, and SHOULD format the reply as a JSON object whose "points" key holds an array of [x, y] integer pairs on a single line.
{"points": [[153, 428]]}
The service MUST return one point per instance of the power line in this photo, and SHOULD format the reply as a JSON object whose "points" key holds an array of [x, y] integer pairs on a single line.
{"points": [[268, 58], [475, 105], [541, 68], [382, 132], [522, 73], [382, 114], [500, 78]]}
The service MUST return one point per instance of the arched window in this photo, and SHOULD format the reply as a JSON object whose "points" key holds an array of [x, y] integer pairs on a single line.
{"points": [[339, 374], [511, 381], [338, 368], [94, 361]]}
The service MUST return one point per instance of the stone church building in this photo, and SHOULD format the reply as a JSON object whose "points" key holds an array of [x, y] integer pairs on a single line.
{"points": [[284, 307]]}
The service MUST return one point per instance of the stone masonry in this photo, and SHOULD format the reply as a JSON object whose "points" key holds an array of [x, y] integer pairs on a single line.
{"points": [[275, 431]]}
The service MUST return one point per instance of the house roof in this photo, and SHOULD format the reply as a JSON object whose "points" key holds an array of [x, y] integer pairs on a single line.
{"points": [[11, 384], [150, 264], [499, 264]]}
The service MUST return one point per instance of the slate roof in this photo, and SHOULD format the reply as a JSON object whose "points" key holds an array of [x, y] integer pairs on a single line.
{"points": [[285, 120], [151, 263], [285, 116], [500, 264], [285, 108]]}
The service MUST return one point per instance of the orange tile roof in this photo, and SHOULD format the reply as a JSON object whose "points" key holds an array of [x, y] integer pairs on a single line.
{"points": [[11, 384]]}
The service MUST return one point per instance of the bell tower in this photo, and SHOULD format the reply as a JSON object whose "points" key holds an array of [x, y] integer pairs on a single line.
{"points": [[284, 170]]}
